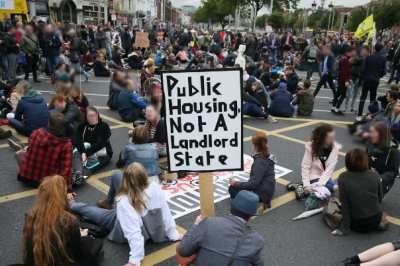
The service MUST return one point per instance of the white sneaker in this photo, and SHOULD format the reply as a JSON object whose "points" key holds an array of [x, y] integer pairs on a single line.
{"points": [[359, 118], [270, 119]]}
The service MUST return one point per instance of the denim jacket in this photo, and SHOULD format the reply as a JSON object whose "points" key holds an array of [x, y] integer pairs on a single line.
{"points": [[145, 154]]}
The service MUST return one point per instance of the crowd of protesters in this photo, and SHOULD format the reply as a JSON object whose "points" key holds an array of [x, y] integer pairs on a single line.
{"points": [[68, 140]]}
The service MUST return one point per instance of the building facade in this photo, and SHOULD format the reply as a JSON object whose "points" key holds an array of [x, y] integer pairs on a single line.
{"points": [[79, 11]]}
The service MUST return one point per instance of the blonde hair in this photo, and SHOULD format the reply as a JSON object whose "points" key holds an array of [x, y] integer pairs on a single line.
{"points": [[134, 182]]}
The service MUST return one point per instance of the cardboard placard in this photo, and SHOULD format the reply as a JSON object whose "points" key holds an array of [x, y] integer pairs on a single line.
{"points": [[142, 40], [204, 120]]}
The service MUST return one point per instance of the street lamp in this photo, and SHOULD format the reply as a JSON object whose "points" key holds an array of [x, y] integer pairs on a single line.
{"points": [[314, 5]]}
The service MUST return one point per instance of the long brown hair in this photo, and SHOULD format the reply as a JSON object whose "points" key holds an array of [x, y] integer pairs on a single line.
{"points": [[318, 137], [385, 136], [134, 182], [260, 143], [44, 222]]}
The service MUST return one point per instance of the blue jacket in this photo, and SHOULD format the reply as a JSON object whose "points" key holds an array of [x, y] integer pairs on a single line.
{"points": [[281, 103], [145, 154], [130, 105], [32, 111]]}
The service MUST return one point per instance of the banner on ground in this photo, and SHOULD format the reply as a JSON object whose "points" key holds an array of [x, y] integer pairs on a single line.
{"points": [[142, 40], [183, 195], [365, 27], [204, 120]]}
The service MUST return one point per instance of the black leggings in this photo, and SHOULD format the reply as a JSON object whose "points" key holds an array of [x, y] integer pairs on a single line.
{"points": [[370, 86], [324, 79]]}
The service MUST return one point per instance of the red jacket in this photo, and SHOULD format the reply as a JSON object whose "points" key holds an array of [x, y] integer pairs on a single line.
{"points": [[344, 70], [46, 155]]}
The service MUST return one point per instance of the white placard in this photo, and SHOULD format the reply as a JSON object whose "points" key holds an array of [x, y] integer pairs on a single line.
{"points": [[204, 119], [7, 4]]}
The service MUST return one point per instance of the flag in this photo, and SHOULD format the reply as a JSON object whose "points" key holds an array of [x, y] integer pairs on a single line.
{"points": [[365, 27], [372, 35]]}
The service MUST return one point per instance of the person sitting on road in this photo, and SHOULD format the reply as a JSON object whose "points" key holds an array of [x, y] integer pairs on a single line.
{"points": [[392, 94], [387, 254], [93, 145], [99, 67], [262, 174], [72, 115], [130, 105], [51, 234], [138, 204], [360, 195], [281, 102], [227, 240], [117, 84], [78, 97], [147, 72], [142, 152], [320, 158], [31, 112], [292, 80], [155, 126], [304, 100], [383, 155], [48, 153], [394, 121]]}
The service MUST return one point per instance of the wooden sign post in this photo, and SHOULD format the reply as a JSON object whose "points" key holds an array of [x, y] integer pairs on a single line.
{"points": [[204, 125], [206, 184]]}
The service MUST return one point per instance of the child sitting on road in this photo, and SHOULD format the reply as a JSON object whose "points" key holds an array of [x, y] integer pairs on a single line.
{"points": [[304, 100]]}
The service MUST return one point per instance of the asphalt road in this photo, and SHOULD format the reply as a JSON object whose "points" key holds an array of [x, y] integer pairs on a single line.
{"points": [[304, 243]]}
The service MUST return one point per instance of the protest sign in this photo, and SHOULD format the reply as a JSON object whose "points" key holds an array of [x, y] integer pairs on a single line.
{"points": [[204, 119], [142, 40]]}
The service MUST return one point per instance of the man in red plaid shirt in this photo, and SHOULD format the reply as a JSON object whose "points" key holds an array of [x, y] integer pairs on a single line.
{"points": [[49, 153]]}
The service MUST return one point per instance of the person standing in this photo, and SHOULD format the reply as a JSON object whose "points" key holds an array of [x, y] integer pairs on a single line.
{"points": [[52, 49], [344, 79], [327, 69], [11, 54], [374, 69], [31, 49]]}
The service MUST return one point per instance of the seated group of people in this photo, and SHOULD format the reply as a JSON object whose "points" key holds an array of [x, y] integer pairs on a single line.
{"points": [[267, 92]]}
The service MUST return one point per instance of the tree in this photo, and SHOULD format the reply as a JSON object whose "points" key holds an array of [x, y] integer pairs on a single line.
{"points": [[261, 21], [277, 20], [356, 17], [256, 5], [215, 10]]}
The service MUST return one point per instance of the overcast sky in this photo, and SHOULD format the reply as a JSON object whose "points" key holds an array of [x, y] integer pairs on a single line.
{"points": [[303, 3]]}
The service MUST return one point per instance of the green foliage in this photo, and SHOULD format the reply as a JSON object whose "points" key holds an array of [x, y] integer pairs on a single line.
{"points": [[215, 10], [356, 17], [261, 21], [277, 20]]}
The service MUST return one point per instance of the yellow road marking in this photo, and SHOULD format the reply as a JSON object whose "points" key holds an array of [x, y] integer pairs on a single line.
{"points": [[295, 119], [19, 195]]}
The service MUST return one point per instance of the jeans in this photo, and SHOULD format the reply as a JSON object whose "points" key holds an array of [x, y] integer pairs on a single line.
{"points": [[370, 86], [52, 62], [79, 70], [11, 66], [19, 127], [102, 217], [253, 110], [352, 94]]}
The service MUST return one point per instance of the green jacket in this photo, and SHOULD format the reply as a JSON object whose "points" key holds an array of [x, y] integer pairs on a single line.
{"points": [[30, 45]]}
